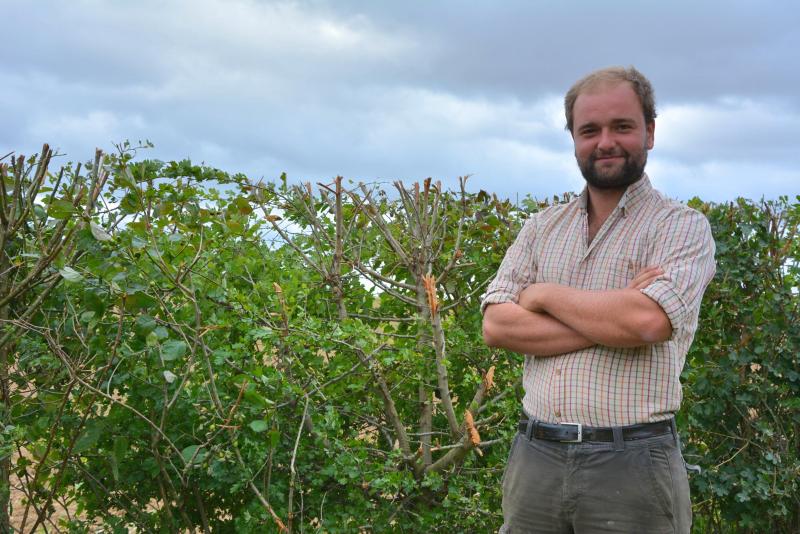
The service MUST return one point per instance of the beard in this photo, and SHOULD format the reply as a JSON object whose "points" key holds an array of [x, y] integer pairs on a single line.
{"points": [[616, 178]]}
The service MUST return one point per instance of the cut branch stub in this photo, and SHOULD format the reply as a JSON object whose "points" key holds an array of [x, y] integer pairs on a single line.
{"points": [[430, 289], [488, 379], [474, 437]]}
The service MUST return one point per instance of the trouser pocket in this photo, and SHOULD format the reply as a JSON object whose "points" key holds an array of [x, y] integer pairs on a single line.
{"points": [[670, 484], [517, 437]]}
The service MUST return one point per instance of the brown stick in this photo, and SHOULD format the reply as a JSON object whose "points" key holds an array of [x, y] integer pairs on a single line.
{"points": [[292, 471]]}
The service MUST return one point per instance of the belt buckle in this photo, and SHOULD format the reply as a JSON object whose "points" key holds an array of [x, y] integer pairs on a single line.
{"points": [[579, 428]]}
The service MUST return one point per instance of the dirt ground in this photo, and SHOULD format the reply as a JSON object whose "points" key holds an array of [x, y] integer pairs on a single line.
{"points": [[18, 510]]}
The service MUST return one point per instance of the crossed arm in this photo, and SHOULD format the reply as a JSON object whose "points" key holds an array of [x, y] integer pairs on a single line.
{"points": [[551, 319]]}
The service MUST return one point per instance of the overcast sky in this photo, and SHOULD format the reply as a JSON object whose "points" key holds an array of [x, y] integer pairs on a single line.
{"points": [[404, 90]]}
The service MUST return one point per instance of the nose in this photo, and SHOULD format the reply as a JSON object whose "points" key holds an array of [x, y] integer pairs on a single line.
{"points": [[606, 140]]}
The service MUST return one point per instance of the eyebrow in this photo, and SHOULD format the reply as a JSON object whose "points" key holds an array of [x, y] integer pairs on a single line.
{"points": [[614, 122]]}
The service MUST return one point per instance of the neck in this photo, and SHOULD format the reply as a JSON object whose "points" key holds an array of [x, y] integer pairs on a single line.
{"points": [[602, 202]]}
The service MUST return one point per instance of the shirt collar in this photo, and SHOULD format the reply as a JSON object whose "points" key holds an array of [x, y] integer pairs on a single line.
{"points": [[630, 198]]}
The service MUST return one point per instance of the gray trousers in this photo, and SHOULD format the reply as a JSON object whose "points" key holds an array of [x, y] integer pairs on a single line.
{"points": [[580, 488]]}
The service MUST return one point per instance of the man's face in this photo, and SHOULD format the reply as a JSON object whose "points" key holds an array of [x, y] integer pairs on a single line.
{"points": [[610, 135]]}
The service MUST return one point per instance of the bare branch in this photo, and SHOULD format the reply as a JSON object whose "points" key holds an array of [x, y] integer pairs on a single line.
{"points": [[480, 287], [425, 424], [292, 471], [392, 292], [384, 319], [375, 275], [462, 181], [289, 241], [374, 214], [439, 348]]}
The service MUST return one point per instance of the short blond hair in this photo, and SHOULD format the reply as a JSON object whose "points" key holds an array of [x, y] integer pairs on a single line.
{"points": [[613, 75]]}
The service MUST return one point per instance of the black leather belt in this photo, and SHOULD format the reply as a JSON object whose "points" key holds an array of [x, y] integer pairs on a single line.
{"points": [[576, 433]]}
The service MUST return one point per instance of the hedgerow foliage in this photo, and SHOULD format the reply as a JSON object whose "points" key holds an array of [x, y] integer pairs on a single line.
{"points": [[194, 351], [742, 406]]}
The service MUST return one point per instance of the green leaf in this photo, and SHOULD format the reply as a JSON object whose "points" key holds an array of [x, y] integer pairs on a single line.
{"points": [[114, 467], [170, 377], [138, 243], [120, 447], [234, 226], [151, 340], [50, 400], [243, 205], [173, 349], [61, 209], [150, 467], [161, 332], [189, 451], [39, 210], [126, 179], [130, 203], [258, 425], [70, 274], [139, 301], [791, 404], [253, 397], [145, 324], [89, 438], [99, 233]]}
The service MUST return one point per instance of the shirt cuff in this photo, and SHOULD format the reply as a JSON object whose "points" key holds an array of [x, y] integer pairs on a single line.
{"points": [[497, 298], [670, 300]]}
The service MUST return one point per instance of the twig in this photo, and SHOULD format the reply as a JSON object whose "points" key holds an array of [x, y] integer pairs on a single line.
{"points": [[264, 502], [293, 472], [73, 374], [481, 444]]}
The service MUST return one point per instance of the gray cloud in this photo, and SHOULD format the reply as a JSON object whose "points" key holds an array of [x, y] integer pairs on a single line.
{"points": [[404, 91]]}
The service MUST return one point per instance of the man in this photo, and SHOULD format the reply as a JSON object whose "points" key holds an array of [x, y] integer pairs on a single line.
{"points": [[602, 295]]}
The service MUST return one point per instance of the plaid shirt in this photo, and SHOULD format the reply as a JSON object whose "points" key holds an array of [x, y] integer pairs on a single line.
{"points": [[605, 386]]}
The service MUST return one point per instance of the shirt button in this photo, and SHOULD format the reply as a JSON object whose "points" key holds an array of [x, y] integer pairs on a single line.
{"points": [[558, 371], [558, 413]]}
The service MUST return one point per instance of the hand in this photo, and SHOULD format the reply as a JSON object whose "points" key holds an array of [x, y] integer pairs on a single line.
{"points": [[531, 297], [645, 277]]}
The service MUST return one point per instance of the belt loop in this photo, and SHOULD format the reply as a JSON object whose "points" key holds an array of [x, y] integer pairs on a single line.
{"points": [[529, 429], [675, 434], [619, 440]]}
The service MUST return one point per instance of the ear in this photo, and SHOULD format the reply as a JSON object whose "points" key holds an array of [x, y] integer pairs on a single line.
{"points": [[650, 130]]}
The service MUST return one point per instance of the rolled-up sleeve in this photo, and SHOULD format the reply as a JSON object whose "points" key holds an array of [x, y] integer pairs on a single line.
{"points": [[517, 270], [685, 251]]}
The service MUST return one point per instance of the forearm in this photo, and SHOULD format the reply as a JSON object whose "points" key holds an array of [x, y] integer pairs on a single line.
{"points": [[615, 318], [509, 326]]}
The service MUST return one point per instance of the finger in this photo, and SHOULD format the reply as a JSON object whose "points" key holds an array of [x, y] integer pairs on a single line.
{"points": [[649, 269], [645, 278], [646, 272], [643, 284]]}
